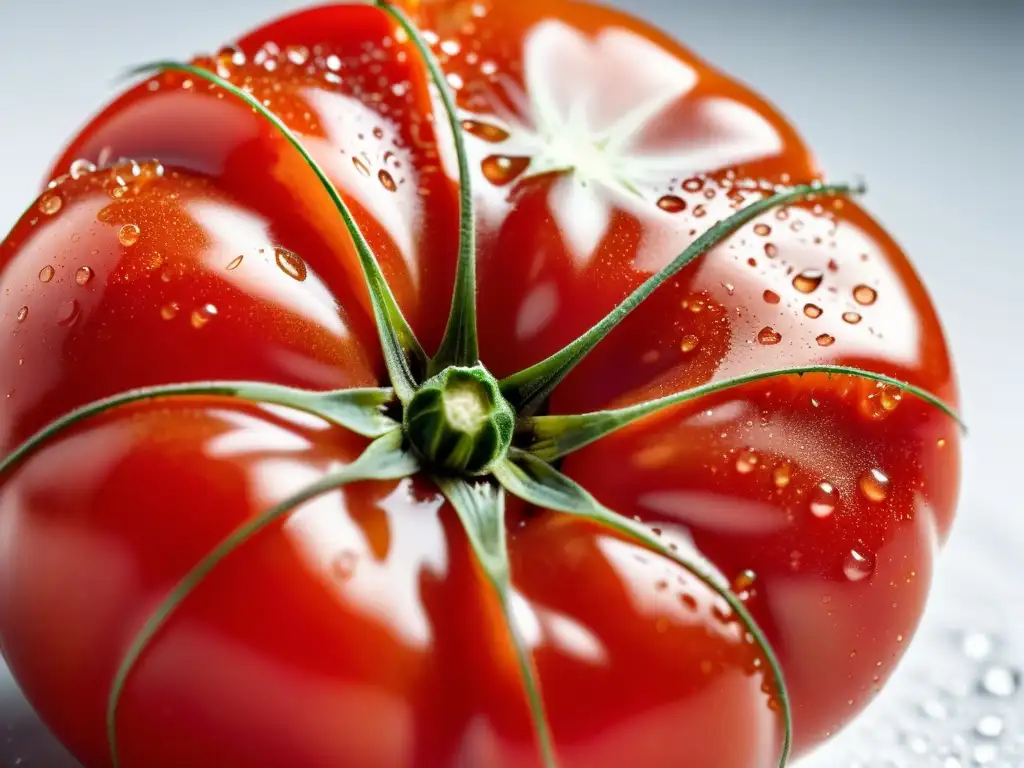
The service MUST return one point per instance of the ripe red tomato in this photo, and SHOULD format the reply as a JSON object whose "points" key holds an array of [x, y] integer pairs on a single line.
{"points": [[358, 630]]}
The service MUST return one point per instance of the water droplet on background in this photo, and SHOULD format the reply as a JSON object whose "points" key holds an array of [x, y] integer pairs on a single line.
{"points": [[858, 566], [825, 340], [290, 263], [128, 235], [83, 275], [874, 485], [386, 180], [812, 310], [768, 336], [672, 204], [202, 315], [46, 274], [824, 499], [808, 280], [689, 343], [771, 297], [170, 311], [501, 170], [851, 317], [864, 294], [235, 263], [50, 203], [486, 131]]}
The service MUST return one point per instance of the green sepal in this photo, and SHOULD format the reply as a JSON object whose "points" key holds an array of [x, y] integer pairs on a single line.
{"points": [[358, 410], [406, 362], [480, 506], [528, 389], [383, 459], [538, 483], [459, 345], [551, 437]]}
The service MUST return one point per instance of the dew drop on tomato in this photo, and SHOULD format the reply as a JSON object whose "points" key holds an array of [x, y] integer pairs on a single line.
{"points": [[235, 263], [289, 263], [361, 166], [386, 180], [746, 462], [80, 168], [851, 317], [689, 343], [824, 499], [808, 280], [672, 203], [771, 297], [202, 315], [486, 131], [825, 340], [170, 311], [781, 476], [768, 336], [874, 485], [83, 275], [812, 311], [128, 235], [46, 274], [50, 203], [858, 565], [864, 294], [501, 170], [22, 314]]}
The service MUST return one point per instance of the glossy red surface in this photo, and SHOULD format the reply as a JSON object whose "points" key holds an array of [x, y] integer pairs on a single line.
{"points": [[359, 631]]}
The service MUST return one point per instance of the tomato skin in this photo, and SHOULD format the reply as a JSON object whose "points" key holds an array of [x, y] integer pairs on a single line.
{"points": [[294, 651]]}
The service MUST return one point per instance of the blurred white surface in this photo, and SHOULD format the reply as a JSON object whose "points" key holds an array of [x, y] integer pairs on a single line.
{"points": [[921, 97]]}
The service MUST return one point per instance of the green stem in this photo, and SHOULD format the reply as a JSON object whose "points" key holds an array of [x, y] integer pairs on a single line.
{"points": [[383, 459], [358, 410], [481, 509], [538, 483], [403, 355], [527, 389], [555, 436], [459, 345]]}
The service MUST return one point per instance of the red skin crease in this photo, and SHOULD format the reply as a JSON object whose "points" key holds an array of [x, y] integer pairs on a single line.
{"points": [[358, 630]]}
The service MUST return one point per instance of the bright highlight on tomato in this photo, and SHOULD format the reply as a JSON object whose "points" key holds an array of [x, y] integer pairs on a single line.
{"points": [[460, 383]]}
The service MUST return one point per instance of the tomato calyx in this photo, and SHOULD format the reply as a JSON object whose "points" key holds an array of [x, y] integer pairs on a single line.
{"points": [[477, 437]]}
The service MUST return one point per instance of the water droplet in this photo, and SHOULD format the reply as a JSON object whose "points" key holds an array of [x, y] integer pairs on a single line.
{"points": [[672, 204], [781, 475], [128, 235], [46, 274], [771, 297], [83, 275], [80, 168], [202, 315], [746, 462], [68, 312], [344, 565], [290, 263], [693, 185], [689, 343], [501, 170], [689, 601], [378, 132], [700, 212], [808, 280], [812, 310], [297, 54], [22, 314], [762, 229], [361, 165], [851, 317], [977, 645], [50, 203], [874, 485], [1000, 681], [825, 340], [824, 499], [236, 262], [768, 336], [990, 727], [858, 566], [170, 311], [864, 294], [386, 180], [770, 250], [744, 581], [486, 131]]}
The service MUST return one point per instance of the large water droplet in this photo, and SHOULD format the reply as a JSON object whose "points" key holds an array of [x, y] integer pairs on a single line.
{"points": [[128, 235], [68, 312], [80, 168], [825, 340], [990, 727], [864, 294], [672, 204], [874, 485], [83, 275], [808, 280], [290, 263], [501, 170], [202, 315], [768, 336], [824, 499], [851, 317], [771, 297], [22, 314], [386, 180], [858, 566], [999, 681], [762, 229], [746, 462], [46, 274], [812, 310], [770, 250], [50, 203], [689, 343], [693, 185], [486, 131]]}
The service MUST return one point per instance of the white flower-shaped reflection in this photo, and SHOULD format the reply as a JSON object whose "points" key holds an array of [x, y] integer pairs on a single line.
{"points": [[592, 113]]}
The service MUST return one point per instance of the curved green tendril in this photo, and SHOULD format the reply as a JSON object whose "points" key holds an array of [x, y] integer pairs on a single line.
{"points": [[527, 389], [481, 509], [383, 459], [538, 483], [557, 436], [405, 359], [459, 345], [358, 410]]}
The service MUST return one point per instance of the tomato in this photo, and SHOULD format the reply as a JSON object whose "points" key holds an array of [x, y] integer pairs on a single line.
{"points": [[359, 629]]}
